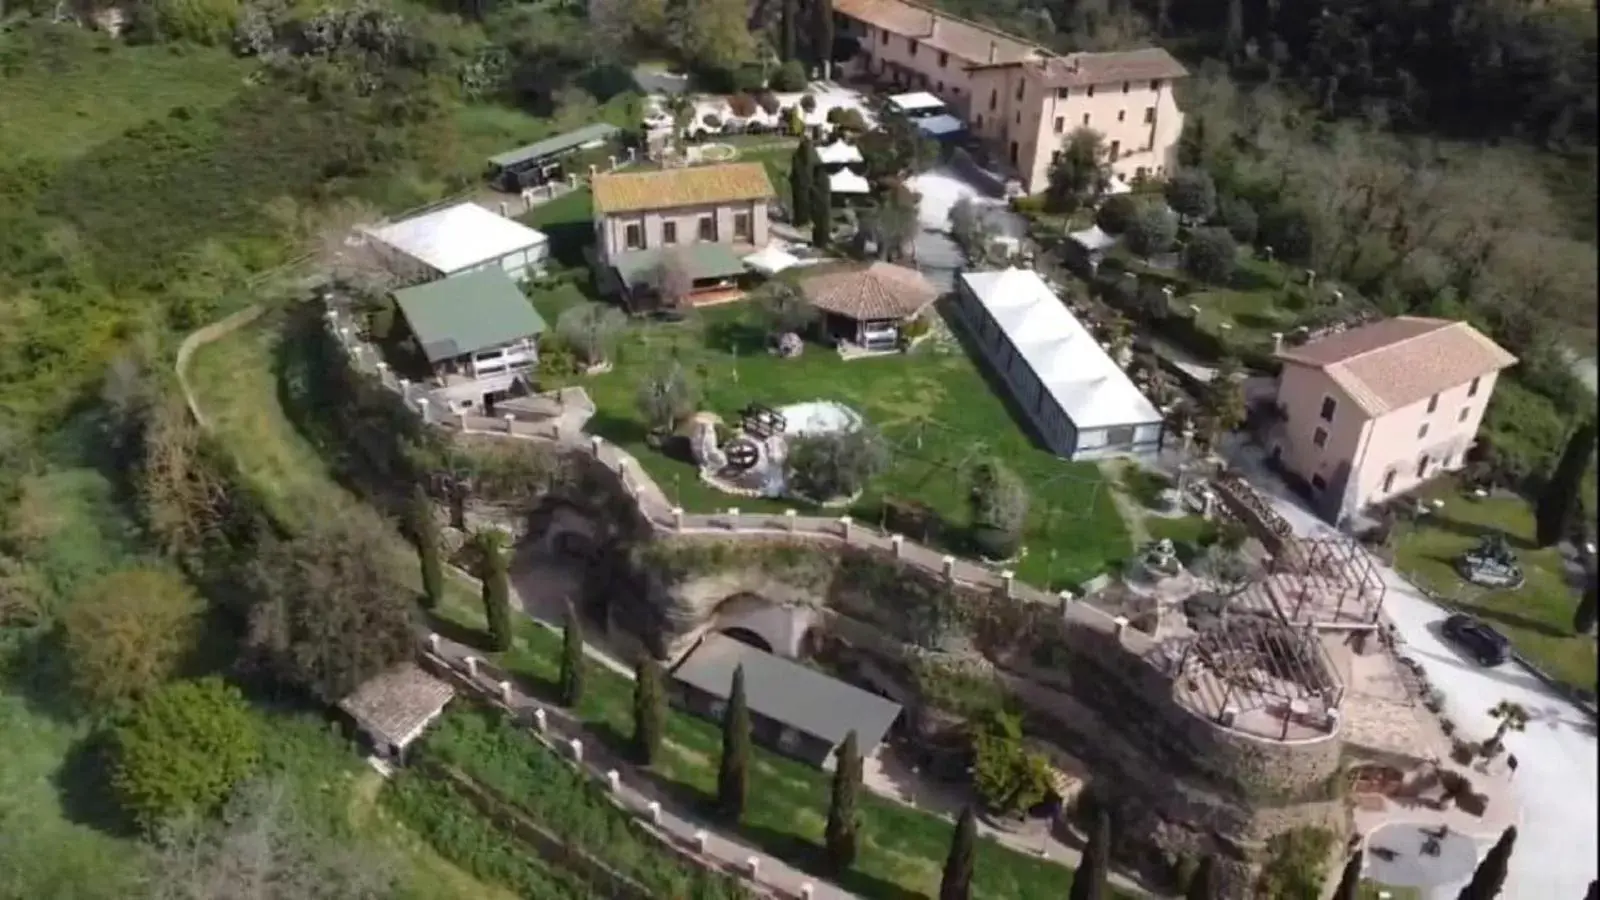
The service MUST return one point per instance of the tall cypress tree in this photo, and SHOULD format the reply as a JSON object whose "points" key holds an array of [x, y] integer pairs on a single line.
{"points": [[822, 35], [1490, 876], [425, 531], [842, 822], [821, 210], [496, 592], [1583, 618], [957, 881], [1089, 882], [571, 687], [1202, 885], [791, 30], [649, 710], [801, 165], [733, 777], [1350, 882], [1560, 499]]}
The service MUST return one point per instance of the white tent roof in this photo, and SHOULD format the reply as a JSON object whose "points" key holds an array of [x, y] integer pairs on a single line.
{"points": [[845, 181], [838, 153], [1117, 186], [771, 259], [1077, 373], [915, 101], [458, 237], [1092, 239], [941, 125]]}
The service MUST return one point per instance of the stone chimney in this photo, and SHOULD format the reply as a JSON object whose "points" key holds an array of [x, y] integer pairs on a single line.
{"points": [[933, 26], [994, 52]]}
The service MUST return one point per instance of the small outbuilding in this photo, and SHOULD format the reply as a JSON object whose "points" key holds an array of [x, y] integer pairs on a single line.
{"points": [[917, 104], [463, 238], [393, 709], [797, 710], [869, 307], [546, 161], [478, 333]]}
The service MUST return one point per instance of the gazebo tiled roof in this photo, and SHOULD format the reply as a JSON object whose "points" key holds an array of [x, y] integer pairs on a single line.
{"points": [[879, 291]]}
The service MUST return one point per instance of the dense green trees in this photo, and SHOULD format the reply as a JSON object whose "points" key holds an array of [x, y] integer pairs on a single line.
{"points": [[1152, 231], [956, 884], [1080, 174], [489, 547], [571, 680], [841, 837], [128, 632], [649, 710], [1490, 876], [182, 751], [1008, 777], [733, 770], [1192, 194], [1561, 498], [1211, 255], [1116, 213]]}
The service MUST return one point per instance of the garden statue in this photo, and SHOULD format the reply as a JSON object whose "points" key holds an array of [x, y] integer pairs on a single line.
{"points": [[1160, 559], [703, 444], [1491, 564], [789, 345]]}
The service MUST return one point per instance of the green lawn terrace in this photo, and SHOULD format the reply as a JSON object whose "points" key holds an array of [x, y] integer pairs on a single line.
{"points": [[934, 406], [1536, 617]]}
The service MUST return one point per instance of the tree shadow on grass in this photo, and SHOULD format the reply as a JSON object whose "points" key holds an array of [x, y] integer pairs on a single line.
{"points": [[1474, 530], [739, 336], [1516, 621], [37, 672], [83, 785], [618, 429]]}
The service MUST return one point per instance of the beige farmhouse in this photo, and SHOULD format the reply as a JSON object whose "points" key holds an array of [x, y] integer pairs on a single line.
{"points": [[1019, 97], [1378, 410]]}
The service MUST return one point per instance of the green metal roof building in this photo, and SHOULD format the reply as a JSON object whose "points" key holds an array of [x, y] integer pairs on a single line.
{"points": [[468, 313]]}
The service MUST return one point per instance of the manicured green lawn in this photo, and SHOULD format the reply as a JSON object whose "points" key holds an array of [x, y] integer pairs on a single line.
{"points": [[902, 851], [1538, 617], [934, 406]]}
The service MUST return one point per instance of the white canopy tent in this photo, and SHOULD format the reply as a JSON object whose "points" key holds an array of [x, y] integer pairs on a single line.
{"points": [[1093, 239], [838, 153], [1117, 186], [845, 181], [917, 101], [942, 125], [771, 259]]}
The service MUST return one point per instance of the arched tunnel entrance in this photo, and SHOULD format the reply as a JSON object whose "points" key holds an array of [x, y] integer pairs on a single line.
{"points": [[776, 628], [746, 636]]}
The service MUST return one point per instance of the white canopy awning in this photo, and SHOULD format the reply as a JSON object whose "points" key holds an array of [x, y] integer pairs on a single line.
{"points": [[771, 259], [838, 153], [1093, 239], [1117, 186], [940, 125], [845, 181], [915, 102]]}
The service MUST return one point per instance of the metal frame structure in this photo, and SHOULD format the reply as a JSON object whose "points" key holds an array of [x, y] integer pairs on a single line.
{"points": [[1239, 651], [1332, 567]]}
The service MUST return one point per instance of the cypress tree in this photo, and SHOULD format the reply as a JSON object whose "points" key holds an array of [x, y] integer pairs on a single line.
{"points": [[1089, 882], [733, 776], [1200, 886], [649, 710], [1583, 618], [791, 30], [822, 35], [1350, 882], [957, 881], [801, 166], [1490, 876], [571, 687], [426, 533], [842, 822], [821, 210], [1560, 499], [496, 592]]}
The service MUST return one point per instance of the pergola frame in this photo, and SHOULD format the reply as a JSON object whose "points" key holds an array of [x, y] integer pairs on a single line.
{"points": [[1234, 651], [1334, 566]]}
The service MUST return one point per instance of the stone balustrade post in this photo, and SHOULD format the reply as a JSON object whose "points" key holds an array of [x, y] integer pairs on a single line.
{"points": [[405, 389], [472, 666], [792, 518], [1122, 625], [949, 564], [511, 423], [577, 749], [654, 809], [1065, 597], [505, 692], [700, 837], [897, 543], [807, 890], [422, 408], [753, 864], [1228, 715], [595, 443], [733, 518], [1008, 580], [541, 720], [433, 642], [614, 778], [1277, 342], [677, 518], [505, 210], [613, 161], [844, 524]]}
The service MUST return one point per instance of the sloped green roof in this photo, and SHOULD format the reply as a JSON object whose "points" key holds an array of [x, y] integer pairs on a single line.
{"points": [[561, 143], [467, 313], [705, 260]]}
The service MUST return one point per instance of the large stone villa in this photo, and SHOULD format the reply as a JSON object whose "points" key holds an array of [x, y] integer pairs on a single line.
{"points": [[1018, 96]]}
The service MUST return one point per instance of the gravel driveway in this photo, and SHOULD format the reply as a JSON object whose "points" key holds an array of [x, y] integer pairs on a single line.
{"points": [[1557, 755]]}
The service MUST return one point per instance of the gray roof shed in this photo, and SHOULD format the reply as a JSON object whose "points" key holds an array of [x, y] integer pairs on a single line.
{"points": [[786, 692], [467, 313], [561, 143]]}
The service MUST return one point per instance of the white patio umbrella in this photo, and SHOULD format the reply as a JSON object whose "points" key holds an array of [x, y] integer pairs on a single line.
{"points": [[845, 181], [771, 259], [838, 153]]}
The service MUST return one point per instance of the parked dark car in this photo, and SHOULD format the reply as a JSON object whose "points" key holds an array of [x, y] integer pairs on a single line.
{"points": [[1478, 639]]}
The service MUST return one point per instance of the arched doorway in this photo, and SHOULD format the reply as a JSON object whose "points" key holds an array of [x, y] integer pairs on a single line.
{"points": [[748, 637]]}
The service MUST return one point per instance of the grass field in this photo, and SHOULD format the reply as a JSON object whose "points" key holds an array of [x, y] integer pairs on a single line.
{"points": [[1538, 617]]}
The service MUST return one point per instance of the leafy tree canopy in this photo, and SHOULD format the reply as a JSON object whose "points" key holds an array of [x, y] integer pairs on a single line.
{"points": [[183, 750]]}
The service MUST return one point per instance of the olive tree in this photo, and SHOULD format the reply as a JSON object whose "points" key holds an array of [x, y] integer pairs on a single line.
{"points": [[666, 397], [1152, 230], [999, 505], [591, 330], [836, 464], [784, 308], [1210, 255], [1192, 194]]}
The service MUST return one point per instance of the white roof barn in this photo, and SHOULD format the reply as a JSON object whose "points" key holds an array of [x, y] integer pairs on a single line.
{"points": [[917, 101], [1083, 403], [465, 238]]}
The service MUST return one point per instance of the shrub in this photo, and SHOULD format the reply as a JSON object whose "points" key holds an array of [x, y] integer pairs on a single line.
{"points": [[1116, 213], [742, 106], [1152, 230], [1239, 217], [183, 750], [712, 120], [1295, 863], [1211, 255], [808, 103], [791, 76], [768, 101], [665, 399], [127, 633], [209, 22], [999, 505], [1192, 194], [1031, 205], [1007, 776], [591, 330], [832, 465]]}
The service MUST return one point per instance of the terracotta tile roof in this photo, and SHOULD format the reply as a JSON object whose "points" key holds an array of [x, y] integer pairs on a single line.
{"points": [[1399, 361], [1083, 69], [879, 291], [968, 41], [669, 188], [395, 705]]}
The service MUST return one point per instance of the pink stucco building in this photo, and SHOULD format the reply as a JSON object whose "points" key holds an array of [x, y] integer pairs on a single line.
{"points": [[1019, 97], [1377, 410]]}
